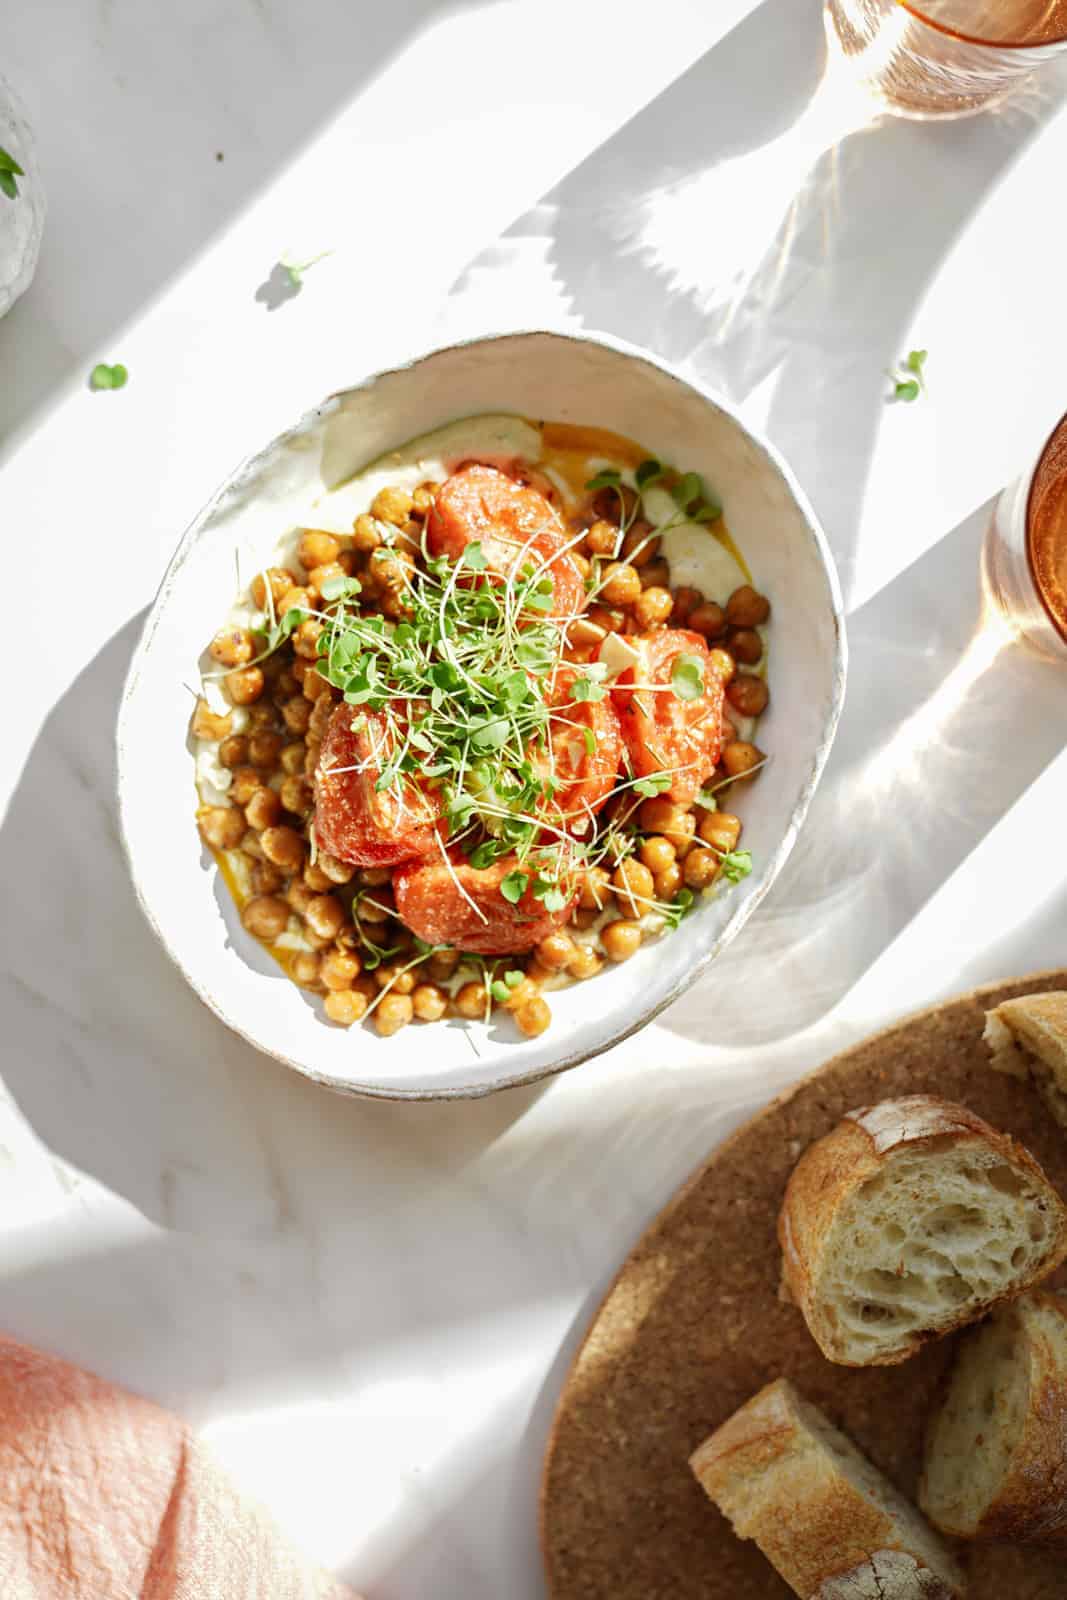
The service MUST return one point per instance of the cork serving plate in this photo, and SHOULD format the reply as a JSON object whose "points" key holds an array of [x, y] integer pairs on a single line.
{"points": [[693, 1326]]}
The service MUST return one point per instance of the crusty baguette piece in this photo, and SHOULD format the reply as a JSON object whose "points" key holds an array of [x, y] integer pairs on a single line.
{"points": [[1027, 1038], [911, 1218], [996, 1450], [827, 1520]]}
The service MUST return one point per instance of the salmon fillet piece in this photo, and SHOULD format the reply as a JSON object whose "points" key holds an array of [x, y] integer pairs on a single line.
{"points": [[104, 1496]]}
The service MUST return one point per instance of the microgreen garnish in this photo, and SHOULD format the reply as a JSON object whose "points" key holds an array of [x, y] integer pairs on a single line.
{"points": [[649, 472], [736, 864], [687, 678], [10, 172], [513, 886], [608, 479], [501, 988], [677, 908], [692, 498], [706, 798], [908, 379], [105, 377], [654, 784], [294, 270]]}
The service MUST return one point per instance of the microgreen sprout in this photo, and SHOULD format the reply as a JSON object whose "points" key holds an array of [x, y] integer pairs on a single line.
{"points": [[294, 270], [105, 377], [10, 172], [908, 378]]}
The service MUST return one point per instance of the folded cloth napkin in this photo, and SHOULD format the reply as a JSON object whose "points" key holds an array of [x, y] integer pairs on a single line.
{"points": [[103, 1496]]}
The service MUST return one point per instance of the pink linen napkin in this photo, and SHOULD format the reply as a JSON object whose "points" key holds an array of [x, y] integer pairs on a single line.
{"points": [[104, 1496]]}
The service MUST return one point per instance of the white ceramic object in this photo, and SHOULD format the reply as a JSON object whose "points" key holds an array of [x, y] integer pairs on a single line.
{"points": [[21, 219], [589, 379]]}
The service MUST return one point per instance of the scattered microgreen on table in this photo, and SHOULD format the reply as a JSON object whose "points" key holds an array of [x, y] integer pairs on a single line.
{"points": [[295, 270], [105, 377], [10, 173], [908, 379]]}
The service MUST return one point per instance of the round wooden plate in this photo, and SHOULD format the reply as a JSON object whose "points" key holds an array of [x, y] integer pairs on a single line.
{"points": [[693, 1326]]}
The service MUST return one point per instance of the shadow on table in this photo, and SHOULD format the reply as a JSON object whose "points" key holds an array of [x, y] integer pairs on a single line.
{"points": [[136, 206], [923, 767], [736, 226]]}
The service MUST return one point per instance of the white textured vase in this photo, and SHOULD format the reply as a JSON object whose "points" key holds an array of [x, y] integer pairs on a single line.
{"points": [[21, 219]]}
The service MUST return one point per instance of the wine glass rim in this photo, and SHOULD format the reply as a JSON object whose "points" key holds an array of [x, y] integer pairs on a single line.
{"points": [[915, 7], [1035, 478]]}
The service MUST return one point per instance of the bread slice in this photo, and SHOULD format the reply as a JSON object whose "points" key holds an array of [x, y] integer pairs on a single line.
{"points": [[1027, 1038], [996, 1451], [909, 1219], [826, 1519]]}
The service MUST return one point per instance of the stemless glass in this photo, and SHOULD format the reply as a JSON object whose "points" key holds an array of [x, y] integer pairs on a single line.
{"points": [[945, 58], [1025, 556]]}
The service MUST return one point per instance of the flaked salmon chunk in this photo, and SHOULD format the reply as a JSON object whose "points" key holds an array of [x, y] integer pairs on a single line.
{"points": [[104, 1496]]}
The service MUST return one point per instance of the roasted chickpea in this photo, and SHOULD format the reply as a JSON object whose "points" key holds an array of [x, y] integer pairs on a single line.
{"points": [[261, 718], [245, 685], [700, 868], [584, 634], [319, 577], [330, 867], [655, 574], [233, 751], [747, 608], [722, 664], [674, 822], [392, 976], [345, 1006], [602, 539], [306, 967], [392, 505], [428, 1002], [746, 646], [584, 566], [471, 1000], [283, 846], [297, 797], [523, 992], [316, 879], [721, 829], [246, 780], [295, 599], [317, 549], [707, 619], [292, 757], [279, 579], [584, 916], [325, 916], [594, 891], [299, 895], [315, 687], [377, 907], [264, 748], [366, 535], [251, 847], [221, 827], [339, 969], [264, 809], [306, 639], [555, 950], [533, 1016], [653, 606], [640, 545], [657, 853], [393, 1012], [633, 887], [288, 683], [265, 879], [615, 505], [621, 939], [321, 712], [232, 647], [208, 724], [422, 499], [748, 694], [608, 621], [376, 877], [739, 758], [686, 601], [584, 963], [442, 964], [621, 585], [311, 753], [668, 881], [296, 714], [266, 916]]}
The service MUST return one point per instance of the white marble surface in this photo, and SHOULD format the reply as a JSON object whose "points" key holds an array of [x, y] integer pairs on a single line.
{"points": [[369, 1308]]}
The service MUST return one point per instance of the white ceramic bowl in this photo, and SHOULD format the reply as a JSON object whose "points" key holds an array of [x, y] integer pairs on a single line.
{"points": [[565, 377]]}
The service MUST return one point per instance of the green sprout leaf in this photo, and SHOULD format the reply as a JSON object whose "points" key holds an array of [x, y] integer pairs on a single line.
{"points": [[688, 492], [682, 902], [474, 557], [687, 678], [105, 377], [908, 378], [608, 479], [513, 887], [649, 472], [916, 361], [906, 389], [549, 893], [10, 171], [589, 739], [706, 798], [736, 864], [294, 270], [587, 689], [499, 991], [654, 784], [513, 978], [340, 588]]}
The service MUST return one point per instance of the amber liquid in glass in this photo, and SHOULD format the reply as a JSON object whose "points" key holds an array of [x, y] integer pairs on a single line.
{"points": [[1006, 22], [1046, 531]]}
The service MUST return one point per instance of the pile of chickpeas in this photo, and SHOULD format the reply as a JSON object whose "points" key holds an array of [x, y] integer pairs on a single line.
{"points": [[271, 759]]}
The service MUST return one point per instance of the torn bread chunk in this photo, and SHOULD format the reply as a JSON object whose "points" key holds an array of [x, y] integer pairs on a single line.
{"points": [[909, 1219], [996, 1450], [1027, 1038], [826, 1519]]}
